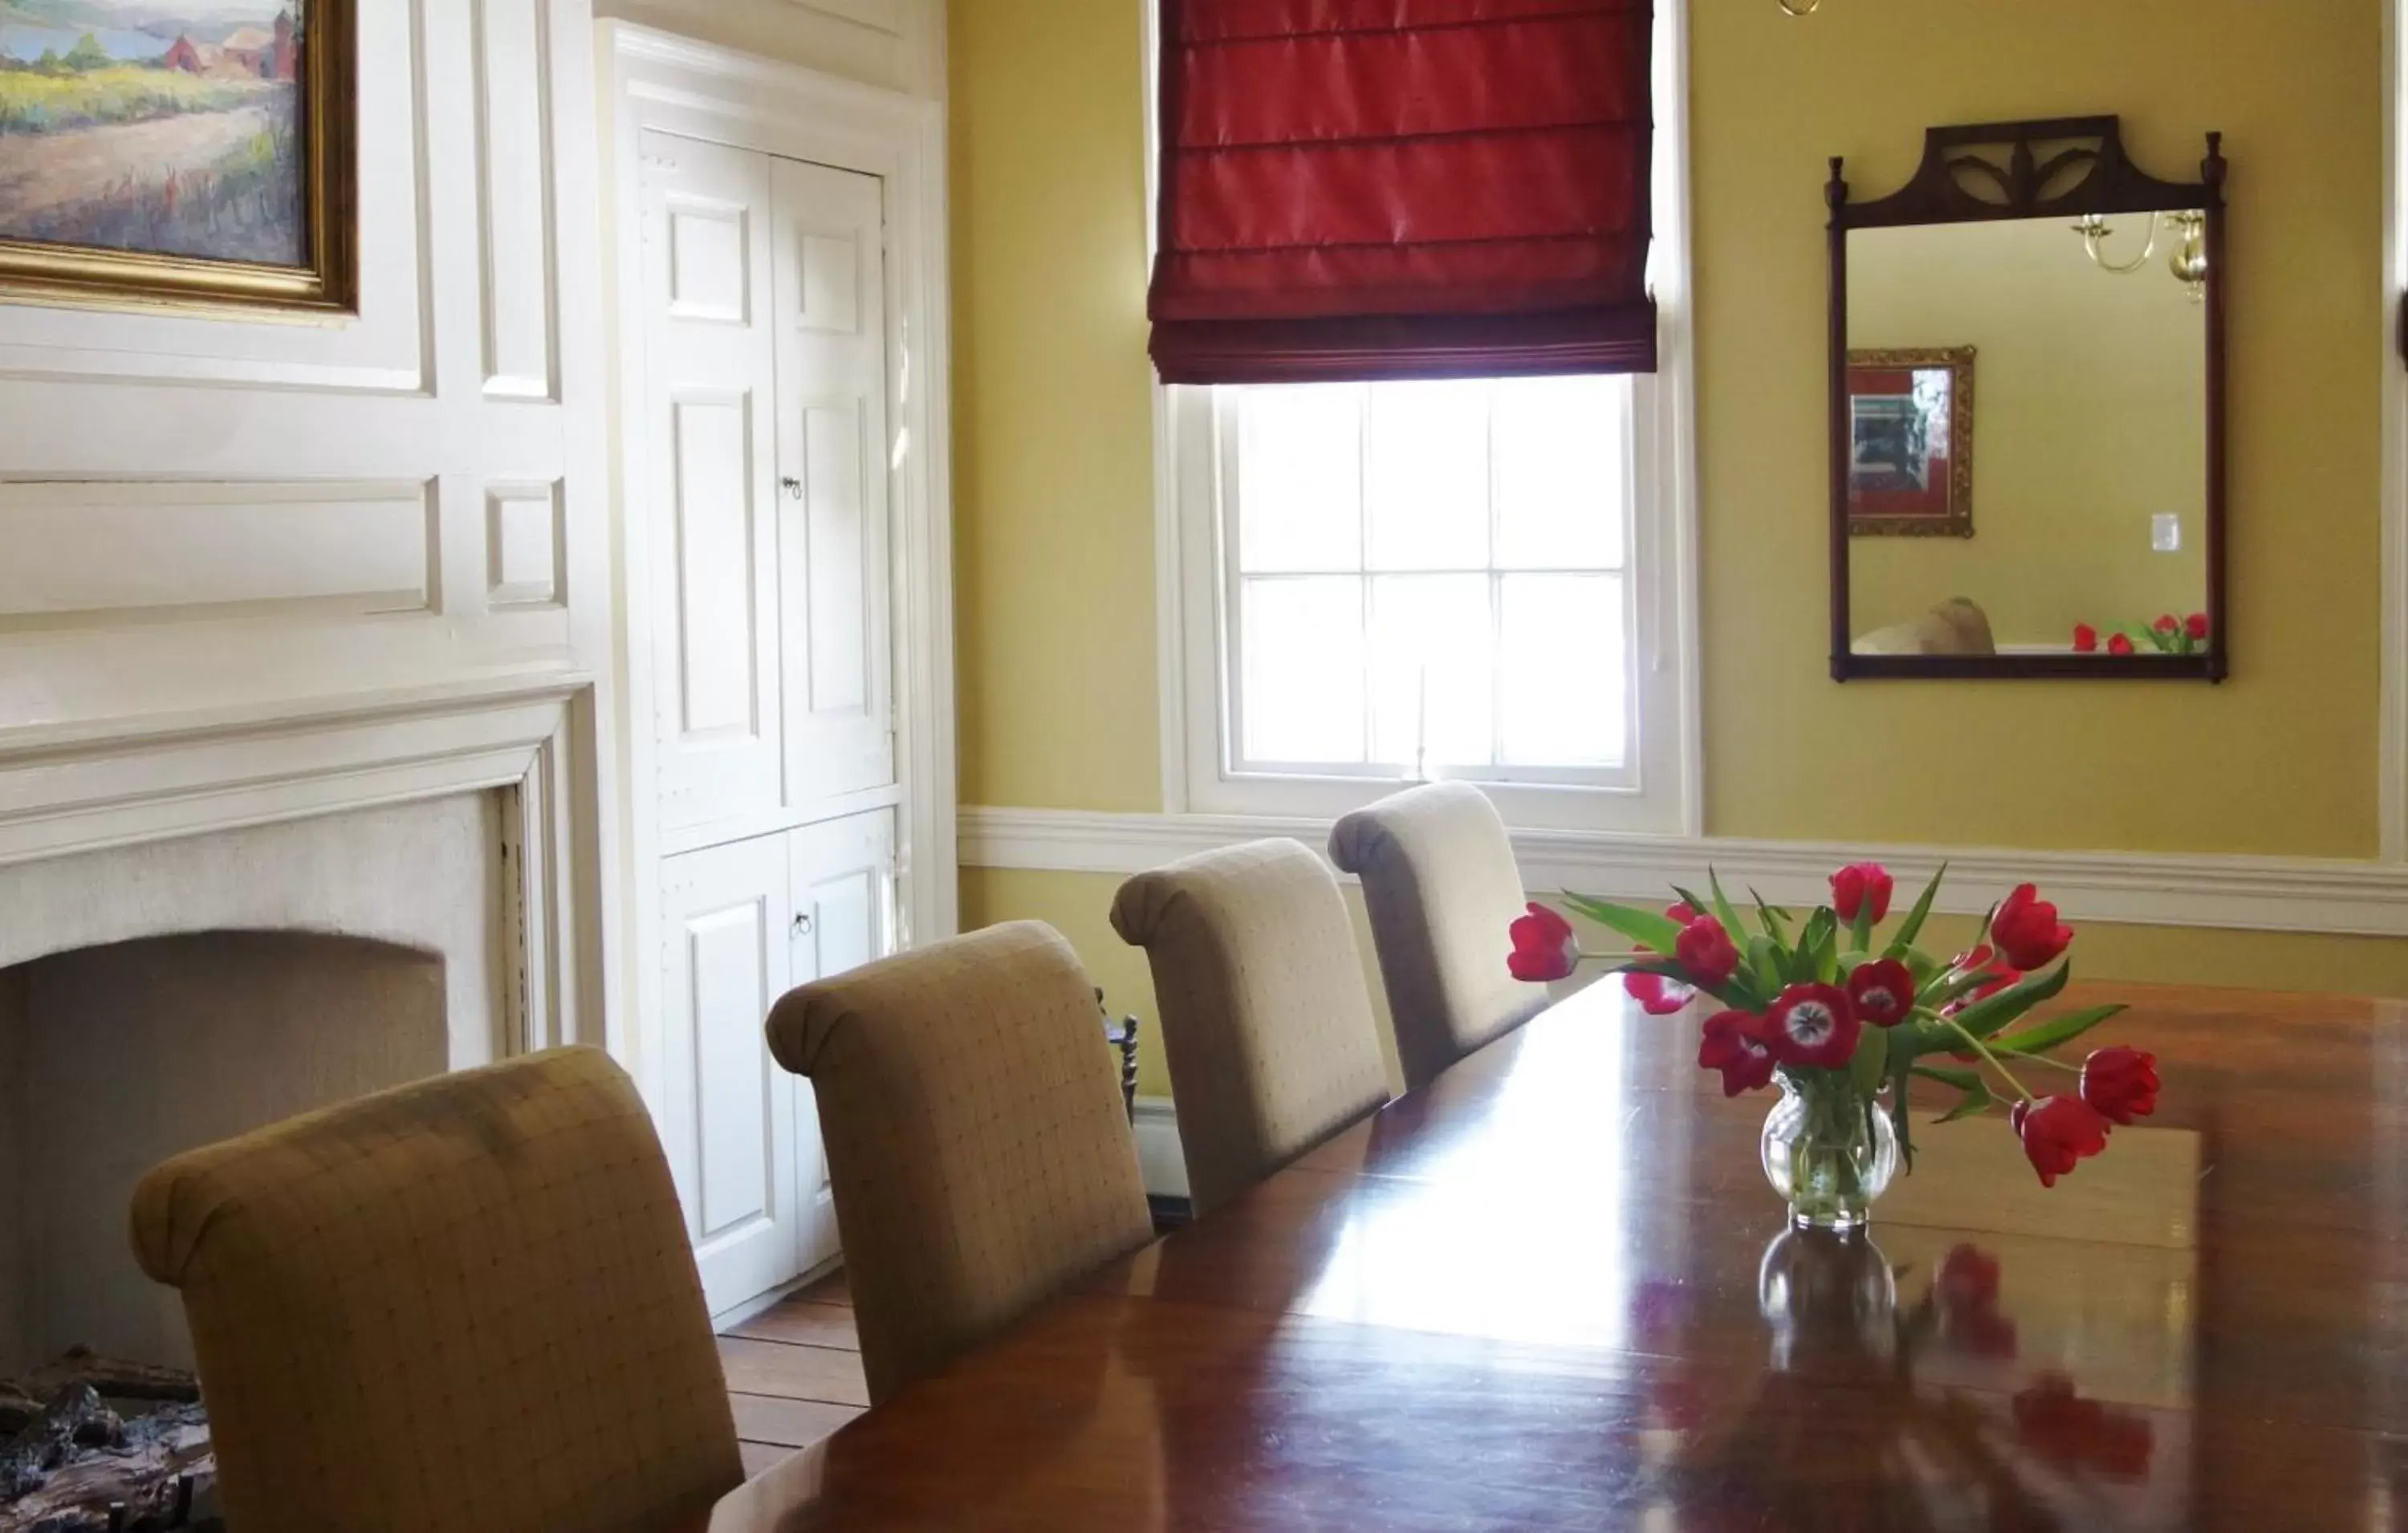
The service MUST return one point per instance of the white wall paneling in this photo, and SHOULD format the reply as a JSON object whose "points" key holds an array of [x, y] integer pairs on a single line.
{"points": [[186, 551], [514, 160], [526, 538], [262, 570]]}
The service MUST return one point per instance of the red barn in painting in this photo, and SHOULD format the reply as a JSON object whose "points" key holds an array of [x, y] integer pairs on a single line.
{"points": [[254, 52], [186, 56]]}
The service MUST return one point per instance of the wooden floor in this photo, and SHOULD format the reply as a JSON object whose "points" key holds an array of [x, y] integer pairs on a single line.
{"points": [[795, 1373]]}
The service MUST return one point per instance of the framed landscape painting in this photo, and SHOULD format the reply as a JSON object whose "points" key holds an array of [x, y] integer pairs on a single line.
{"points": [[186, 153]]}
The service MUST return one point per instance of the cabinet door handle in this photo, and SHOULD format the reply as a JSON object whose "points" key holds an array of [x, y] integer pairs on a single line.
{"points": [[803, 925], [793, 486]]}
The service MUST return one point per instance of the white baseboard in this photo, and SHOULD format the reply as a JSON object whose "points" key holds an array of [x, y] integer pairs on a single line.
{"points": [[1159, 1156], [2318, 896]]}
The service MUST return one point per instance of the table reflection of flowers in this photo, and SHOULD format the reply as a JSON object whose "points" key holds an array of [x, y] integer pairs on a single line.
{"points": [[1845, 1428]]}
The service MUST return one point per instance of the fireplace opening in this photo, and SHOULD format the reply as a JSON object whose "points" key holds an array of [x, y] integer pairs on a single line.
{"points": [[115, 1058]]}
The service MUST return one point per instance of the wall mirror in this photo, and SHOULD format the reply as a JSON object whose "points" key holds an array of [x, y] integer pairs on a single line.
{"points": [[2027, 381]]}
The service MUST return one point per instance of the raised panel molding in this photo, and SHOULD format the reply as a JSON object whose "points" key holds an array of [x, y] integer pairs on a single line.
{"points": [[711, 437], [710, 261], [104, 555], [526, 545], [511, 44], [2325, 896]]}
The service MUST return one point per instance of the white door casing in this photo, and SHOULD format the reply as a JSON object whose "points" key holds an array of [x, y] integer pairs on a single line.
{"points": [[711, 405], [836, 654]]}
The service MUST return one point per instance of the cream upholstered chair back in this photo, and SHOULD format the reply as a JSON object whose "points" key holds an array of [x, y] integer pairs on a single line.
{"points": [[1265, 1024], [976, 1140], [1439, 880], [469, 1304]]}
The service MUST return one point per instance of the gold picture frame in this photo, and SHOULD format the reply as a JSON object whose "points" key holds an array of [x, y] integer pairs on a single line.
{"points": [[1882, 501], [324, 286]]}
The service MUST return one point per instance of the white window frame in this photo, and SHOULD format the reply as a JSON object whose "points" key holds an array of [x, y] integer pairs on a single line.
{"points": [[1659, 792]]}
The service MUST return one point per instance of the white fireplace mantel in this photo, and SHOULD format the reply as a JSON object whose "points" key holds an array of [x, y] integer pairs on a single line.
{"points": [[80, 789]]}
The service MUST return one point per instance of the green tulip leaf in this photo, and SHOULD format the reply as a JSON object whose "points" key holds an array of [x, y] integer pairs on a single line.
{"points": [[1861, 930], [1904, 942], [2048, 1035], [1954, 1079], [1872, 1061], [1774, 919], [1725, 911], [1978, 1101], [1649, 928], [1988, 1017]]}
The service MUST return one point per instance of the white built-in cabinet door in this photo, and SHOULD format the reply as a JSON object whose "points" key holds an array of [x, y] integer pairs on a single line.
{"points": [[728, 1115], [843, 881], [772, 654], [741, 924], [838, 651], [711, 390]]}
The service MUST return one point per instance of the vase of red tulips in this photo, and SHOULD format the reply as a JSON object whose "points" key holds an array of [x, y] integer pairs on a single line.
{"points": [[1849, 1020]]}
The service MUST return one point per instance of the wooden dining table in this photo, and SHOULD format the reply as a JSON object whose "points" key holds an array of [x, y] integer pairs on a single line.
{"points": [[1553, 1290]]}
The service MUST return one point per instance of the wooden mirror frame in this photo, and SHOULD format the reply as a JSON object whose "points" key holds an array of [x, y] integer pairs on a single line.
{"points": [[1938, 194]]}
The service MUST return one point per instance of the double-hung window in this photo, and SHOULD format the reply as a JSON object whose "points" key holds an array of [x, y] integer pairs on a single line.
{"points": [[1475, 578]]}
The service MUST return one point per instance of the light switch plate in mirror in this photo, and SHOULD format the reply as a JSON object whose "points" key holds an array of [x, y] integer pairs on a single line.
{"points": [[2091, 295]]}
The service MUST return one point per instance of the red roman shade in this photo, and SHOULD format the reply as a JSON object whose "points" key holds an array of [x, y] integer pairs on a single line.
{"points": [[1380, 189]]}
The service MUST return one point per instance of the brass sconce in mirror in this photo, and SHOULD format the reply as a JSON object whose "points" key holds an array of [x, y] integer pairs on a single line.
{"points": [[2088, 537]]}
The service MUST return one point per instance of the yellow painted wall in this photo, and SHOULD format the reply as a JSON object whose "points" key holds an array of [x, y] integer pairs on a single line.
{"points": [[1052, 444], [2280, 760], [1055, 555], [2089, 415]]}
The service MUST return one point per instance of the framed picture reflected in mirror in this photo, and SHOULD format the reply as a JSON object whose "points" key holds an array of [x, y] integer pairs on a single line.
{"points": [[1911, 442]]}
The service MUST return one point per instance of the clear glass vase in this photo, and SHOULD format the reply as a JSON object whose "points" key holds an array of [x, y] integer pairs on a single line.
{"points": [[1830, 1151]]}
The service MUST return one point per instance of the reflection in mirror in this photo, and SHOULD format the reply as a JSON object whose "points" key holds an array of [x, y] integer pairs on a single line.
{"points": [[2082, 373]]}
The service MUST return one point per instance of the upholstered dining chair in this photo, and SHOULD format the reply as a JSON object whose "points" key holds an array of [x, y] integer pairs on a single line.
{"points": [[468, 1304], [1266, 1023], [1441, 886], [976, 1143]]}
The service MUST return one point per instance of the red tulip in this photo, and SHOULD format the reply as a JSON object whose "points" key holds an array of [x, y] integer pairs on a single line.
{"points": [[2119, 644], [2121, 1083], [1967, 1288], [1813, 1025], [2058, 1133], [2064, 1428], [1883, 992], [1657, 995], [2196, 626], [2168, 624], [1968, 1279], [2086, 638], [1857, 884], [1734, 1044], [1680, 914], [2026, 930], [1707, 952], [1544, 947]]}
